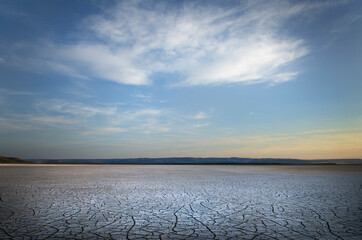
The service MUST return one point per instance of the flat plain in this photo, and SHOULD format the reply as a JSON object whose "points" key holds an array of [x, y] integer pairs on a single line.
{"points": [[180, 202]]}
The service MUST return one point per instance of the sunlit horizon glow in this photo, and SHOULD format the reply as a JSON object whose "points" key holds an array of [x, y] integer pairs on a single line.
{"points": [[128, 79]]}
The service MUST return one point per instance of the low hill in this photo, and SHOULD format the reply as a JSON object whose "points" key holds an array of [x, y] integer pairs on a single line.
{"points": [[12, 160]]}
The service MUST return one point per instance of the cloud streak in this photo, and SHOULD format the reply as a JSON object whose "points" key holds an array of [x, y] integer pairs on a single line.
{"points": [[199, 43], [75, 109], [100, 119], [205, 44], [200, 115]]}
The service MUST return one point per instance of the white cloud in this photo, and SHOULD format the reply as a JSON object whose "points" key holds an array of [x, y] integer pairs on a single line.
{"points": [[140, 95], [141, 113], [93, 118], [205, 44], [143, 97], [100, 61], [35, 122], [76, 109], [113, 118], [200, 115], [202, 43], [201, 125], [152, 125]]}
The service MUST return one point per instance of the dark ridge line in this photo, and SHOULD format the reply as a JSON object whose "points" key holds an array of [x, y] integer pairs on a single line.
{"points": [[193, 164], [190, 161], [252, 164]]}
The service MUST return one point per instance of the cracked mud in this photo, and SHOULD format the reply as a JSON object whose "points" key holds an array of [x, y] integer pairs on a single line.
{"points": [[179, 202]]}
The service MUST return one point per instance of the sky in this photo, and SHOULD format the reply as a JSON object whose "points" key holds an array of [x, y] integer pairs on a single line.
{"points": [[127, 79]]}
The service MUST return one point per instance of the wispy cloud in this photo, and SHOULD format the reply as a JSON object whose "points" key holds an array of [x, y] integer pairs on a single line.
{"points": [[101, 119], [153, 125], [206, 44], [104, 131], [202, 43], [200, 125], [36, 122], [344, 24], [200, 115], [144, 113], [100, 61], [5, 91], [76, 109]]}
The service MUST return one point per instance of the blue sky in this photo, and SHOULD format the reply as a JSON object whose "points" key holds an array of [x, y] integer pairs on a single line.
{"points": [[111, 79]]}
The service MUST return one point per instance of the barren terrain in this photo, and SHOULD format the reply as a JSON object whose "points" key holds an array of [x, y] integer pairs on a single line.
{"points": [[178, 202]]}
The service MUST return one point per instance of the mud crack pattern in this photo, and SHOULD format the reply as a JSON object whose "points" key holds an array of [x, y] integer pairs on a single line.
{"points": [[177, 202]]}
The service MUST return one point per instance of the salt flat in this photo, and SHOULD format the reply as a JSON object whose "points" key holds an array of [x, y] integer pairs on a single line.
{"points": [[180, 202]]}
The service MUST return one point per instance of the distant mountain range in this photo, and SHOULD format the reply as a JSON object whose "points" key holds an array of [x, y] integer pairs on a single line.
{"points": [[12, 160], [183, 160], [191, 160]]}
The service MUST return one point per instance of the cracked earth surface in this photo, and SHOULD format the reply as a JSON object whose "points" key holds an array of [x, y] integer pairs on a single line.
{"points": [[178, 202]]}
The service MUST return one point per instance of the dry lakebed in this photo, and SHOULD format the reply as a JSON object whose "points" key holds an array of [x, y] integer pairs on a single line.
{"points": [[42, 201]]}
